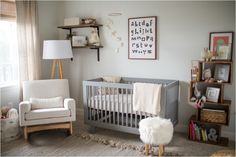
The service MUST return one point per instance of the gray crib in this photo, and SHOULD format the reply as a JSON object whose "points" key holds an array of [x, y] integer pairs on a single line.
{"points": [[114, 109]]}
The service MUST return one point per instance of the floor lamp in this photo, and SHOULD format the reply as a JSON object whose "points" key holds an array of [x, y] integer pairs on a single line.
{"points": [[57, 50]]}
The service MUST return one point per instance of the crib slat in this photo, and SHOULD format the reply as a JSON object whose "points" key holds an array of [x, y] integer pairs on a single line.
{"points": [[101, 103], [131, 107], [105, 105], [136, 119], [127, 107], [89, 104], [114, 107], [97, 102], [109, 103], [118, 105], [122, 106]]}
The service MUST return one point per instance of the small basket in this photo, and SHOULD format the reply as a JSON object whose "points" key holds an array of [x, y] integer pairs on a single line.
{"points": [[213, 116]]}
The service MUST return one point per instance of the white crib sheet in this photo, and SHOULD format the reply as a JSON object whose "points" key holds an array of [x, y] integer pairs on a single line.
{"points": [[117, 103]]}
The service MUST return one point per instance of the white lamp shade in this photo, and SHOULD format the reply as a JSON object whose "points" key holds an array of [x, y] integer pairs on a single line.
{"points": [[57, 49]]}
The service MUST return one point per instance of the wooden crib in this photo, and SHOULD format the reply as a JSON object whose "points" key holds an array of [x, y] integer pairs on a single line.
{"points": [[109, 105]]}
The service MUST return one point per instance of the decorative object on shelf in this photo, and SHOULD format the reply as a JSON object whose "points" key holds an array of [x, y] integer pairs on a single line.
{"points": [[207, 75], [206, 55], [197, 93], [72, 21], [221, 43], [142, 38], [79, 41], [213, 116], [212, 94], [194, 71], [57, 50], [222, 73], [93, 38], [88, 20]]}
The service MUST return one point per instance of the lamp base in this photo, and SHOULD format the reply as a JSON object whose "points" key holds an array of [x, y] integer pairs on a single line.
{"points": [[58, 63]]}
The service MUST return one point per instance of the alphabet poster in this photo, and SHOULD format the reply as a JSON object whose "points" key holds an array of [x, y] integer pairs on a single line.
{"points": [[142, 37]]}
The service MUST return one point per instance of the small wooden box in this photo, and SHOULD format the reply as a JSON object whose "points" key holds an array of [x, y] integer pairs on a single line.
{"points": [[213, 116]]}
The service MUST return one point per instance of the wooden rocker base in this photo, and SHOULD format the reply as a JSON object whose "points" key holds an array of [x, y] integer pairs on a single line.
{"points": [[30, 129], [161, 149]]}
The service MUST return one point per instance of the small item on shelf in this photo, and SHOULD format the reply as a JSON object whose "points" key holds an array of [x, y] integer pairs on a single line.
{"points": [[213, 116], [199, 103], [79, 41], [94, 39], [193, 99], [195, 71], [88, 20], [197, 93], [207, 74], [71, 21], [206, 55]]}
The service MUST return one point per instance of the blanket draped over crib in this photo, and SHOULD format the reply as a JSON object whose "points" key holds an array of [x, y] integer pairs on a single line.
{"points": [[147, 98]]}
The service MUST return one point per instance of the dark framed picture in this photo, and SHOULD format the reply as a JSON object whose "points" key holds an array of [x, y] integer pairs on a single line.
{"points": [[142, 38], [222, 73], [221, 44], [212, 94]]}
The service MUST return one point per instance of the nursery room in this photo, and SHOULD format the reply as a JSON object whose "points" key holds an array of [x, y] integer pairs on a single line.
{"points": [[117, 78]]}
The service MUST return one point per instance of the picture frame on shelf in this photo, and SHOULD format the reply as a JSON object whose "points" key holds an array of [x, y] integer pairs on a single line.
{"points": [[142, 38], [212, 94], [222, 72], [79, 41], [221, 45]]}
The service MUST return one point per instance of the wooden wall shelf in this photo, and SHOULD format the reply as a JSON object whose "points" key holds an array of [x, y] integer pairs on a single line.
{"points": [[85, 26]]}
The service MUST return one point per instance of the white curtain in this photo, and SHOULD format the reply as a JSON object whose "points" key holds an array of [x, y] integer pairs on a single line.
{"points": [[28, 40]]}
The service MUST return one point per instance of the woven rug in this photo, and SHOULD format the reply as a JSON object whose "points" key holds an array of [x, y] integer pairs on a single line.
{"points": [[224, 153]]}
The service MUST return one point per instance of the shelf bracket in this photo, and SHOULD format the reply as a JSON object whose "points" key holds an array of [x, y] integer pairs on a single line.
{"points": [[98, 54]]}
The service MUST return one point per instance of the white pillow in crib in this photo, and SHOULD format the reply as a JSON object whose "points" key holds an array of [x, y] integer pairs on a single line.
{"points": [[109, 91], [112, 79], [43, 103]]}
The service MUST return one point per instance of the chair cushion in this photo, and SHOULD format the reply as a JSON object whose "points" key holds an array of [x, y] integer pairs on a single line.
{"points": [[47, 113], [39, 103]]}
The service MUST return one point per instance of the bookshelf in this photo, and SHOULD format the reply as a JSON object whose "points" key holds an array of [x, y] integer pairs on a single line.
{"points": [[212, 113]]}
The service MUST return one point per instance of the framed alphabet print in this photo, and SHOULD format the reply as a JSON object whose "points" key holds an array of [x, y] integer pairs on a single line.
{"points": [[221, 44], [142, 38]]}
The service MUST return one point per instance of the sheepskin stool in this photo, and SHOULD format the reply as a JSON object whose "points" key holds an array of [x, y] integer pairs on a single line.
{"points": [[155, 131]]}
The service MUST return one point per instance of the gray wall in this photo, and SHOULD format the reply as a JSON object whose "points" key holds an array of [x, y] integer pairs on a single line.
{"points": [[183, 29]]}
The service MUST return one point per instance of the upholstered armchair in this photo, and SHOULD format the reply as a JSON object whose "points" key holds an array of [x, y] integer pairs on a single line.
{"points": [[46, 105]]}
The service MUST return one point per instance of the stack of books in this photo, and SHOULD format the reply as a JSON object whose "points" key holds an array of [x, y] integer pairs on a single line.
{"points": [[197, 132]]}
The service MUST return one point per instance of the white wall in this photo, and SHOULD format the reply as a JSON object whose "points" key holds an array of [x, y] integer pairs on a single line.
{"points": [[183, 29], [9, 96]]}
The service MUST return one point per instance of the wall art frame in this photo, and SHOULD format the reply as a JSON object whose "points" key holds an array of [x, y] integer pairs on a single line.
{"points": [[221, 44], [142, 38]]}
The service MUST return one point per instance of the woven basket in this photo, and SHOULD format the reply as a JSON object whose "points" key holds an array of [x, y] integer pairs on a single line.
{"points": [[213, 116]]}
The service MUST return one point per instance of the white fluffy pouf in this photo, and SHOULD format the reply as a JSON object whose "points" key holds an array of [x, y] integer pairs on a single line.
{"points": [[156, 130]]}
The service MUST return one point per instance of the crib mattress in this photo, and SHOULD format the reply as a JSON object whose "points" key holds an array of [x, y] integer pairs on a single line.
{"points": [[117, 103]]}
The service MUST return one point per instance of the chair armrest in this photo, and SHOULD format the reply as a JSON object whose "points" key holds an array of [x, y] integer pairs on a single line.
{"points": [[24, 107], [70, 104]]}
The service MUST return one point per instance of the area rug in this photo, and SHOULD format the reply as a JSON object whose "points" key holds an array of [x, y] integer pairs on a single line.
{"points": [[224, 153]]}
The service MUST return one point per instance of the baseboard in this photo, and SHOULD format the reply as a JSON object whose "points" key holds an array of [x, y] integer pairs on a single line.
{"points": [[184, 128]]}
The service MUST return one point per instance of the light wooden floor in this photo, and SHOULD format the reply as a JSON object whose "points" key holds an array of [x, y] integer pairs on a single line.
{"points": [[57, 143]]}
